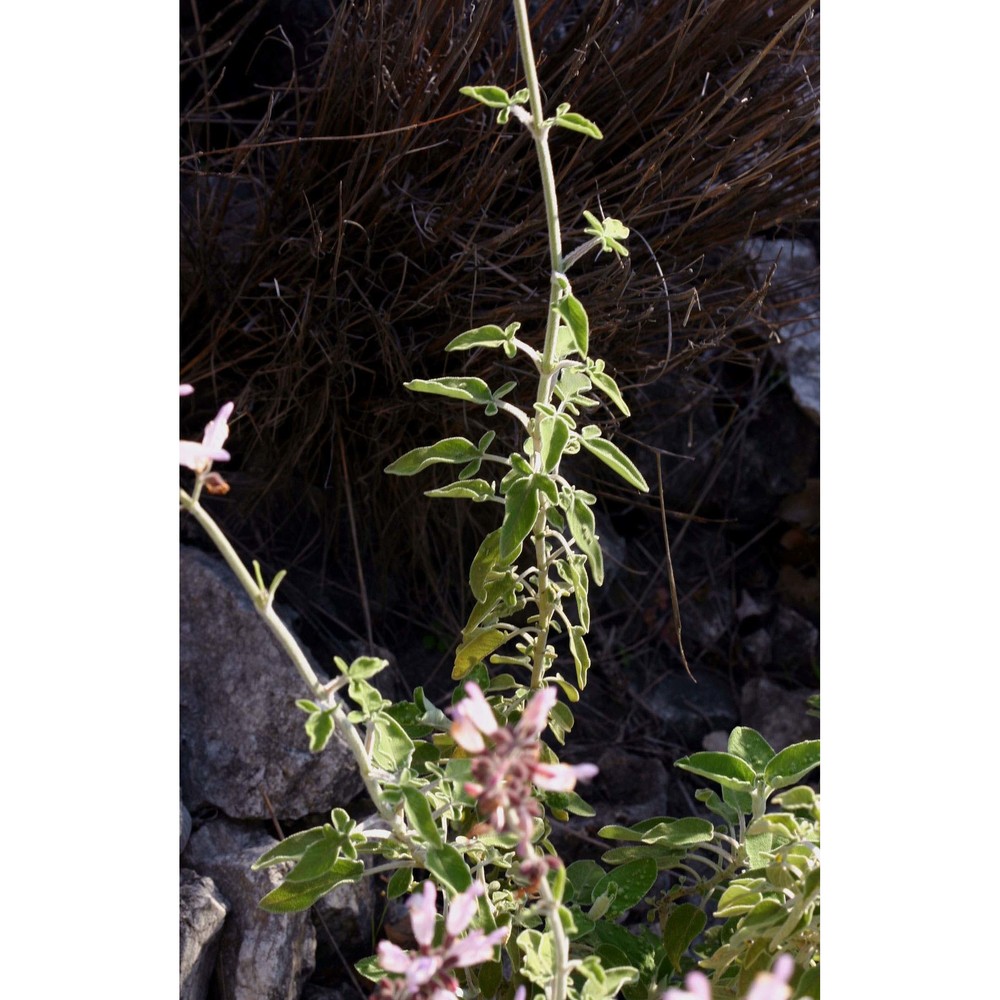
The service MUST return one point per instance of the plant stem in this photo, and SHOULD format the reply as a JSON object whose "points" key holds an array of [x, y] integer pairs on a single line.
{"points": [[262, 602]]}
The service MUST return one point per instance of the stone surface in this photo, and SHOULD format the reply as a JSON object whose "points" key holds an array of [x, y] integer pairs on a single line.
{"points": [[777, 714], [689, 710], [795, 289], [203, 913], [241, 733], [185, 826], [347, 916], [262, 956], [794, 640]]}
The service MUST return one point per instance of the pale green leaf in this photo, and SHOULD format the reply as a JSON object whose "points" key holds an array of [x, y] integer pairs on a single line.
{"points": [[455, 450], [476, 649], [470, 389], [465, 489], [483, 336], [492, 97], [616, 460]]}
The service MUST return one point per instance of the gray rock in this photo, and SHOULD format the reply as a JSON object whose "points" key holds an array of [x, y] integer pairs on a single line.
{"points": [[262, 956], [344, 919], [203, 913], [794, 640], [796, 279], [778, 715], [241, 733], [185, 827], [689, 710]]}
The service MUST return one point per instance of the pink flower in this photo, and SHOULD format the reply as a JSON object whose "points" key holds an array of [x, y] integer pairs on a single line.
{"points": [[771, 985], [506, 767], [186, 389], [427, 975], [199, 457]]}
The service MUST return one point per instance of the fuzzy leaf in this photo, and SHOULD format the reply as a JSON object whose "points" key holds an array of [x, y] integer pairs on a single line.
{"points": [[684, 923], [581, 655], [749, 745], [291, 897], [577, 123], [609, 387], [418, 812], [492, 97], [290, 849], [572, 311], [449, 868], [629, 883], [319, 729], [392, 748], [519, 517], [485, 561], [789, 765], [555, 436], [366, 666], [475, 649], [402, 879], [465, 489], [455, 450], [469, 389], [615, 459], [483, 336], [725, 769], [581, 526]]}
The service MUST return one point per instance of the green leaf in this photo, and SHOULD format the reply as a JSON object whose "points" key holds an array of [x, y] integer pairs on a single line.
{"points": [[582, 527], [392, 747], [318, 859], [711, 799], [608, 386], [484, 562], [366, 666], [749, 745], [291, 897], [290, 849], [370, 968], [680, 833], [662, 857], [571, 310], [465, 489], [684, 923], [538, 962], [482, 336], [455, 450], [789, 765], [560, 721], [555, 436], [368, 697], [418, 812], [583, 876], [577, 123], [449, 868], [616, 460], [725, 769], [519, 517], [475, 649], [472, 390], [402, 879], [581, 655], [319, 729], [492, 97], [627, 884]]}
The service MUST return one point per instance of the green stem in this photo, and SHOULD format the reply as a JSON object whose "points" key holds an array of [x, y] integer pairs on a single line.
{"points": [[262, 601], [540, 132]]}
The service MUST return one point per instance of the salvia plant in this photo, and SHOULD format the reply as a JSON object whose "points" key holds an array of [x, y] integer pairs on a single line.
{"points": [[463, 795]]}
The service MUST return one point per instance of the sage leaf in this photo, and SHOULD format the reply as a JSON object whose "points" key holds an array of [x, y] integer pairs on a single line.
{"points": [[725, 769], [291, 897], [519, 517], [465, 489], [455, 450], [449, 868], [616, 460], [570, 308], [483, 336], [577, 123], [470, 389], [475, 649], [492, 97], [418, 812]]}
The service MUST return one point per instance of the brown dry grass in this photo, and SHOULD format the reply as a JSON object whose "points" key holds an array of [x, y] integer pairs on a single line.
{"points": [[345, 212]]}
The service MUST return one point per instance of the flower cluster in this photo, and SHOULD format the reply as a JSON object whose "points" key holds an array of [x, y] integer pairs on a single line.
{"points": [[766, 986], [506, 762], [428, 974]]}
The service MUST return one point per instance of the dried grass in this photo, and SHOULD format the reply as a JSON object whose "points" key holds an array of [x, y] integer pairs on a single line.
{"points": [[345, 212]]}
